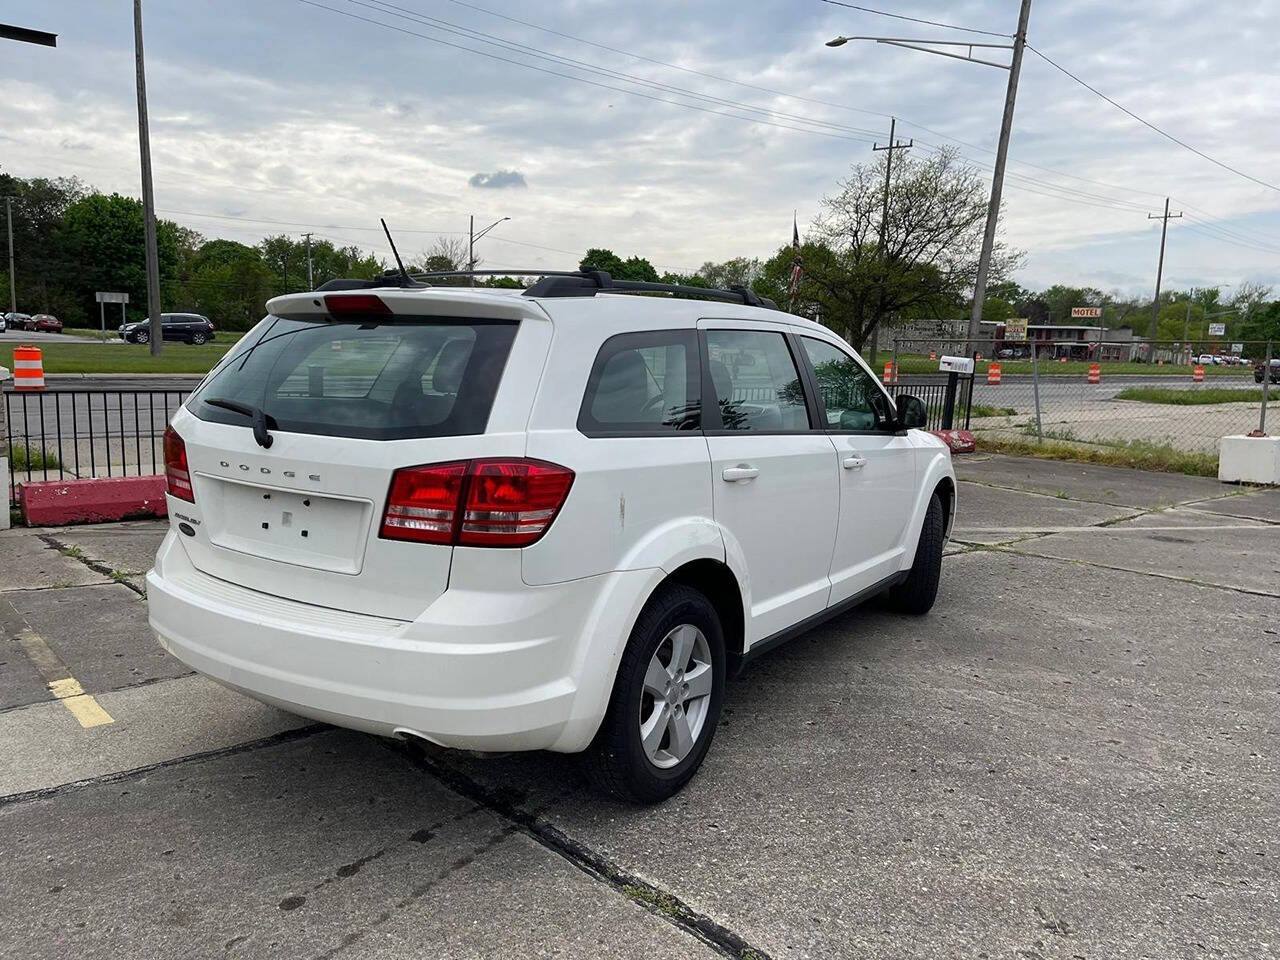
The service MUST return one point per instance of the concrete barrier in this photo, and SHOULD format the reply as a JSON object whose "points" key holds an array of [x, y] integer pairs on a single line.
{"points": [[100, 500]]}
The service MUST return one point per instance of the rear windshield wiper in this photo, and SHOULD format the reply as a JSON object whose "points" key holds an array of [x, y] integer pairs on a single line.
{"points": [[261, 419]]}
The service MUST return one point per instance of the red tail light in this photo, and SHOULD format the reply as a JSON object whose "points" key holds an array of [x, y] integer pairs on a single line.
{"points": [[477, 503], [423, 503], [177, 476]]}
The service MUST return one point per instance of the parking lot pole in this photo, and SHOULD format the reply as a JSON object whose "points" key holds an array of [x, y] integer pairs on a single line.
{"points": [[1266, 379], [1035, 390]]}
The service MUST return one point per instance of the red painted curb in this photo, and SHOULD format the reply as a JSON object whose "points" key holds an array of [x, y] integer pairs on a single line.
{"points": [[960, 441], [100, 500]]}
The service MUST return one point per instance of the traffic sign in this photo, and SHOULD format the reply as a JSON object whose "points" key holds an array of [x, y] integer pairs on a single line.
{"points": [[111, 297]]}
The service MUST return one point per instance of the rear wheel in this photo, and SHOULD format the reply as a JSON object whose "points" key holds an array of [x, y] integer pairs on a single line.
{"points": [[666, 700], [915, 595]]}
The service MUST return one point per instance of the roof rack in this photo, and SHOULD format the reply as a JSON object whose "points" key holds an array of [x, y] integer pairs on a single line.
{"points": [[587, 283], [565, 283]]}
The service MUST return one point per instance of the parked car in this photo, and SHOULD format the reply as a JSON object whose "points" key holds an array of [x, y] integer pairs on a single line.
{"points": [[1206, 359], [535, 520], [4, 322], [17, 321], [46, 323], [1275, 371], [184, 327]]}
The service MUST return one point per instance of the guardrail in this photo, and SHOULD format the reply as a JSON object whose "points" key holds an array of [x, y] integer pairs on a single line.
{"points": [[73, 433]]}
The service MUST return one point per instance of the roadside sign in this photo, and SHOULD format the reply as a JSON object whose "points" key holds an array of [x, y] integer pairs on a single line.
{"points": [[1086, 313], [1237, 348], [104, 298], [1016, 329], [1217, 329]]}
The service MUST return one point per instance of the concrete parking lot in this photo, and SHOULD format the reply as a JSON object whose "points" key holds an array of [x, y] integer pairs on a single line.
{"points": [[1073, 756]]}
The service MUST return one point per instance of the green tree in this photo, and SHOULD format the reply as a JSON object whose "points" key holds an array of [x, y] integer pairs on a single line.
{"points": [[924, 264], [633, 268]]}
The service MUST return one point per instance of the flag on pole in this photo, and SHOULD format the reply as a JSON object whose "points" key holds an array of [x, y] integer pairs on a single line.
{"points": [[796, 266]]}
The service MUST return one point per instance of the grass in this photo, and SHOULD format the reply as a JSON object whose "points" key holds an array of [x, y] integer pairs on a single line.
{"points": [[26, 458], [1193, 397], [81, 356], [1136, 454], [983, 410], [920, 363]]}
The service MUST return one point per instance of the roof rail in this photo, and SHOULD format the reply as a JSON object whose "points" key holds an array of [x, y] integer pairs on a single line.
{"points": [[587, 283], [568, 283]]}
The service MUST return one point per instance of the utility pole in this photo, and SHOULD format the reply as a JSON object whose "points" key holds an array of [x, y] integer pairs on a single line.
{"points": [[997, 183], [13, 295], [1155, 306], [311, 284], [148, 194], [892, 146]]}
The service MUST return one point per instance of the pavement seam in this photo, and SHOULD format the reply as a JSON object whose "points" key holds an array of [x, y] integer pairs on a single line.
{"points": [[1049, 496], [651, 897], [96, 566], [150, 681], [285, 736], [1000, 548]]}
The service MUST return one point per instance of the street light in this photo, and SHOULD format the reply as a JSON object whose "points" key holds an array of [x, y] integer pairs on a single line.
{"points": [[1014, 67], [472, 237]]}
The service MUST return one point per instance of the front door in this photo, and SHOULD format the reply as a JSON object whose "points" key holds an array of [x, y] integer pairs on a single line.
{"points": [[774, 490], [876, 470]]}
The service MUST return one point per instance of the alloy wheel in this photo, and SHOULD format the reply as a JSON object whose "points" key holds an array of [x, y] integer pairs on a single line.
{"points": [[676, 696]]}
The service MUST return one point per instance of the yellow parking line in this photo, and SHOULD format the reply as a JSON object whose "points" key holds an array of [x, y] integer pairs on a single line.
{"points": [[61, 684]]}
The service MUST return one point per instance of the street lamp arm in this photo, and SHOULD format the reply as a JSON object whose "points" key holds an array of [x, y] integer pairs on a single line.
{"points": [[840, 41], [944, 53]]}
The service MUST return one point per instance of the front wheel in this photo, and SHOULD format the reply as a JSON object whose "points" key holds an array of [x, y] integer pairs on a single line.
{"points": [[915, 595], [666, 700], [141, 337], [197, 339]]}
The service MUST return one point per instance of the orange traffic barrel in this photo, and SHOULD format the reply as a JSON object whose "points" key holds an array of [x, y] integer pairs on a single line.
{"points": [[993, 373], [1197, 374], [891, 372], [28, 368], [1095, 373]]}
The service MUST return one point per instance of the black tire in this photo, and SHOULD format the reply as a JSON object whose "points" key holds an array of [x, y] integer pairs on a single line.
{"points": [[915, 595], [616, 761]]}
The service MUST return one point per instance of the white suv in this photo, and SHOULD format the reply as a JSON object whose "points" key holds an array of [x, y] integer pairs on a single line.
{"points": [[552, 519]]}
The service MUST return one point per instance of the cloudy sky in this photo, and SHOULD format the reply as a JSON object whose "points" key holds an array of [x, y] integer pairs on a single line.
{"points": [[284, 116]]}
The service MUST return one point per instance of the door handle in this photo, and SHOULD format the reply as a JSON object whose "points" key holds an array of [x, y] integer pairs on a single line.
{"points": [[742, 471], [853, 463]]}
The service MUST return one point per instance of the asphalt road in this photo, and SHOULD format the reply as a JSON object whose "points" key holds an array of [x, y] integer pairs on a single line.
{"points": [[33, 336], [1073, 755]]}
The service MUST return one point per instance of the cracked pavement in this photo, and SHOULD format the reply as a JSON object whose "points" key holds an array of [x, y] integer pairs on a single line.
{"points": [[1073, 756]]}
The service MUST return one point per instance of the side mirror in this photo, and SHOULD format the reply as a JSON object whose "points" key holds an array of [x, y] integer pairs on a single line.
{"points": [[911, 412]]}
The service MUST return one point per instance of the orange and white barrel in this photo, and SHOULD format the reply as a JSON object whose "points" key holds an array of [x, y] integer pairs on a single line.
{"points": [[891, 372], [993, 373], [933, 354], [1197, 375], [28, 368], [1095, 373]]}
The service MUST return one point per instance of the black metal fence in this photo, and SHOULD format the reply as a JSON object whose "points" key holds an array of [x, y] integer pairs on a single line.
{"points": [[70, 433], [947, 407]]}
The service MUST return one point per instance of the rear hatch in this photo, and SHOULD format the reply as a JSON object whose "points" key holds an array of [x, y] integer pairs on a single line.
{"points": [[345, 390]]}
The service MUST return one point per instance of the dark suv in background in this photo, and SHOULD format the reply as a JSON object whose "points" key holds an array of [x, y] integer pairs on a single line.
{"points": [[187, 327], [1275, 371]]}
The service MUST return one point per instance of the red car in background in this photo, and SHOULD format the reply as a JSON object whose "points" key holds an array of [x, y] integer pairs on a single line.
{"points": [[45, 323]]}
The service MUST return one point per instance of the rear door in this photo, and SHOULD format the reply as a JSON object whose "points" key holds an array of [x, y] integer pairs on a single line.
{"points": [[875, 469], [774, 488], [349, 402]]}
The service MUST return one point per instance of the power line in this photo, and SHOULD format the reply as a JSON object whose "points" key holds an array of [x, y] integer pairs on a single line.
{"points": [[567, 76], [899, 16], [1152, 126]]}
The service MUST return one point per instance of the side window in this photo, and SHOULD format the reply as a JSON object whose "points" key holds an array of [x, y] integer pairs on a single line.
{"points": [[643, 383], [755, 380], [852, 398]]}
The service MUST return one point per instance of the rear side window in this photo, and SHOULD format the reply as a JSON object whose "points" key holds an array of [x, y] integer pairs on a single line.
{"points": [[643, 384], [411, 378]]}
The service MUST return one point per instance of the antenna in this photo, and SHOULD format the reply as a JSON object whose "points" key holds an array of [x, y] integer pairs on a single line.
{"points": [[404, 274]]}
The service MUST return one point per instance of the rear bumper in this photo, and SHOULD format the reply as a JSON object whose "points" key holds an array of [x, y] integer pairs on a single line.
{"points": [[483, 668]]}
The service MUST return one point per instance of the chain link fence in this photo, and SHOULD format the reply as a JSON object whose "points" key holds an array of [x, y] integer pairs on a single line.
{"points": [[1176, 397]]}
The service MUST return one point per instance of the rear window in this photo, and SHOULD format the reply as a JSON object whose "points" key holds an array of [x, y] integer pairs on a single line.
{"points": [[414, 377]]}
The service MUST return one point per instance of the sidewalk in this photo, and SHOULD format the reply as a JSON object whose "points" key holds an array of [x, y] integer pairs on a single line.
{"points": [[1073, 755]]}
